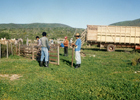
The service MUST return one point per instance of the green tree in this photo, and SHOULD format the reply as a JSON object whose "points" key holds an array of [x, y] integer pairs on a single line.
{"points": [[4, 35]]}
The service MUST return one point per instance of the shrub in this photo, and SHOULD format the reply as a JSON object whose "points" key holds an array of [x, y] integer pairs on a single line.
{"points": [[6, 35]]}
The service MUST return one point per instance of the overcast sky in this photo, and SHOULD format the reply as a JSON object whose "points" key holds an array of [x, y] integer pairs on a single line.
{"points": [[75, 13]]}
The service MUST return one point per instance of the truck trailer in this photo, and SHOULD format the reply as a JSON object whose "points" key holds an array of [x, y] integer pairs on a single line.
{"points": [[112, 37]]}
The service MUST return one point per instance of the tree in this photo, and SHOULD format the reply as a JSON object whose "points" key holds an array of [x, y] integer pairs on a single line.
{"points": [[4, 35]]}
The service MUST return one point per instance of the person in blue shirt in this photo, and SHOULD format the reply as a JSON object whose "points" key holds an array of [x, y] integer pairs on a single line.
{"points": [[77, 50]]}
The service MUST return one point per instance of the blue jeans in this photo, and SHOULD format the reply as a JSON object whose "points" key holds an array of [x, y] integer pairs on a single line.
{"points": [[44, 52], [77, 57]]}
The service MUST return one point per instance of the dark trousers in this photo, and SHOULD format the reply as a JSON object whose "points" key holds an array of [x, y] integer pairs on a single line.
{"points": [[65, 51]]}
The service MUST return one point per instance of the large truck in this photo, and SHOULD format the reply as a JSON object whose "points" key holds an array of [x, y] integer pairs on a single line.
{"points": [[112, 37]]}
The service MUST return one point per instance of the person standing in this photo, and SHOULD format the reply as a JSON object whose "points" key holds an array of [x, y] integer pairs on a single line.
{"points": [[51, 41], [44, 50], [38, 41], [71, 41], [77, 50], [66, 44], [38, 45]]}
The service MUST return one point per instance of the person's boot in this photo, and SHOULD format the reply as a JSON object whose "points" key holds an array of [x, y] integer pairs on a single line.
{"points": [[41, 63], [79, 65], [46, 63], [76, 66]]}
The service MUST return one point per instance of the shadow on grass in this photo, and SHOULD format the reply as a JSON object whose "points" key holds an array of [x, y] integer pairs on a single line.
{"points": [[96, 49], [67, 62], [38, 57], [61, 54]]}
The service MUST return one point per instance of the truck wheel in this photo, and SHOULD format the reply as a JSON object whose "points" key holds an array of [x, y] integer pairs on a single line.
{"points": [[139, 60], [110, 48]]}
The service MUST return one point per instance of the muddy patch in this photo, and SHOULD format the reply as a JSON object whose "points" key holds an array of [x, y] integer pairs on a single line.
{"points": [[11, 76]]}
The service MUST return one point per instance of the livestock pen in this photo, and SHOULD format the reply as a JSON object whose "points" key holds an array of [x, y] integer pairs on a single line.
{"points": [[34, 52], [7, 49]]}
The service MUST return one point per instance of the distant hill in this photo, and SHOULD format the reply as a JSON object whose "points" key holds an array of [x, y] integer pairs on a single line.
{"points": [[128, 23], [33, 25]]}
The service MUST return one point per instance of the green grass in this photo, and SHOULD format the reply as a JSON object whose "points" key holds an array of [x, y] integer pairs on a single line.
{"points": [[108, 75]]}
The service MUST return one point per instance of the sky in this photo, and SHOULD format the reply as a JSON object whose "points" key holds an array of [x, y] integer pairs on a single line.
{"points": [[75, 13]]}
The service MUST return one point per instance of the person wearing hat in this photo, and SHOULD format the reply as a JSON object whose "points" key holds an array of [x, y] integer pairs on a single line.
{"points": [[66, 44], [77, 50], [44, 50]]}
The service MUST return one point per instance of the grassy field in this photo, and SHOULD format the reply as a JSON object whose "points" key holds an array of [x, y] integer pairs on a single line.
{"points": [[103, 75]]}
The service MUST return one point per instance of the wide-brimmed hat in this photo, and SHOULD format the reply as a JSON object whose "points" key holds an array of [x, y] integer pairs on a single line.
{"points": [[77, 35]]}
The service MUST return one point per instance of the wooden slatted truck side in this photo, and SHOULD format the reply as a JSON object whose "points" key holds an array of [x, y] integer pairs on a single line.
{"points": [[112, 37]]}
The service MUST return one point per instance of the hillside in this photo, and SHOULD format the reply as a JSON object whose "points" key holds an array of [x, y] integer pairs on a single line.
{"points": [[33, 25], [128, 23]]}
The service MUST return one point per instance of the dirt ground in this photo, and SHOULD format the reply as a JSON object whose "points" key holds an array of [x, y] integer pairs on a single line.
{"points": [[11, 76]]}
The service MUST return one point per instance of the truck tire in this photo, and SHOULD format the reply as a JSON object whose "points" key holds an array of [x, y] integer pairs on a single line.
{"points": [[111, 48], [139, 60]]}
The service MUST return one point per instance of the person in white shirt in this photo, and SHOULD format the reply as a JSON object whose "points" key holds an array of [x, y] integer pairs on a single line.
{"points": [[71, 41], [38, 41], [51, 41]]}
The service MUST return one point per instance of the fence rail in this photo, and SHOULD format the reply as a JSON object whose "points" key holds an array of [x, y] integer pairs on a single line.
{"points": [[6, 50], [32, 52]]}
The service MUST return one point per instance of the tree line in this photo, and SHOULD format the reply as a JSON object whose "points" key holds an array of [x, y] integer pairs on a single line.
{"points": [[31, 33]]}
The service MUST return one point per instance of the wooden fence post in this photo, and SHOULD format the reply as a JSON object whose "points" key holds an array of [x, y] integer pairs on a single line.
{"points": [[19, 50], [0, 50], [11, 49], [58, 55], [72, 56], [16, 50], [32, 52], [7, 49]]}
